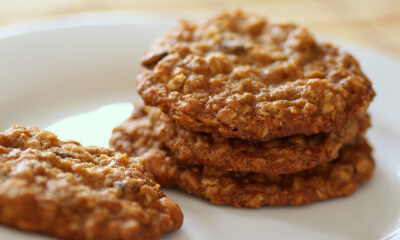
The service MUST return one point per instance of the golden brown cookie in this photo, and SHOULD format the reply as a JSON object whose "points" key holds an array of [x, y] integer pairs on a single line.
{"points": [[73, 192], [340, 177], [240, 76], [148, 127]]}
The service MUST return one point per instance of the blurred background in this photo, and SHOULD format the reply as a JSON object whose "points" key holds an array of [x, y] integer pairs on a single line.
{"points": [[372, 23]]}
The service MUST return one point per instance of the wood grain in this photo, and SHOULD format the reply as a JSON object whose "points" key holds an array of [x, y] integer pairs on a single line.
{"points": [[370, 23]]}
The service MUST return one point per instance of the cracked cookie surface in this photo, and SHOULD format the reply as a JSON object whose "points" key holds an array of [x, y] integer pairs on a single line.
{"points": [[69, 191], [239, 76]]}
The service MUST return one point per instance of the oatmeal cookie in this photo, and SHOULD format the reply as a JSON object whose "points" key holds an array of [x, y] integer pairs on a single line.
{"points": [[73, 192], [241, 76], [340, 177], [279, 156]]}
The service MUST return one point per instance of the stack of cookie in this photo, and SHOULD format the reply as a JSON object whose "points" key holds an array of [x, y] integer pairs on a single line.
{"points": [[248, 113]]}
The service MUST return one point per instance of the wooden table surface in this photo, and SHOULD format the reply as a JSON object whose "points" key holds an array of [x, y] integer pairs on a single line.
{"points": [[373, 23]]}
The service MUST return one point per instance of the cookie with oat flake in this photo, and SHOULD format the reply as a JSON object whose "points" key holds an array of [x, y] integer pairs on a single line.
{"points": [[238, 75], [339, 177], [148, 127], [63, 189]]}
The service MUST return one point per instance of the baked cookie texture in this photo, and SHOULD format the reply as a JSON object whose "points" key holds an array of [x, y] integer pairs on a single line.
{"points": [[73, 192], [149, 127], [337, 178], [238, 75], [340, 177]]}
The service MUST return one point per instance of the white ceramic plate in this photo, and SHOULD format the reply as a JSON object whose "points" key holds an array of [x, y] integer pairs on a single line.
{"points": [[58, 74]]}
